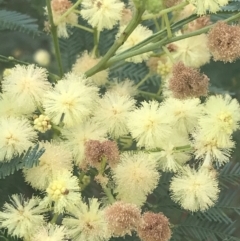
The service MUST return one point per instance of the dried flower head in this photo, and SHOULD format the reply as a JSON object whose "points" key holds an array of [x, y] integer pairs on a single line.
{"points": [[126, 16], [171, 3], [86, 62], [154, 227], [194, 190], [22, 217], [102, 14], [59, 7], [122, 218], [187, 82], [152, 64], [223, 42], [199, 23], [79, 135], [95, 151]]}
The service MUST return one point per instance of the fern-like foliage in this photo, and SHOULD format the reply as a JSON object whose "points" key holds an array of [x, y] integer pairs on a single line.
{"points": [[18, 22], [28, 160], [232, 6]]}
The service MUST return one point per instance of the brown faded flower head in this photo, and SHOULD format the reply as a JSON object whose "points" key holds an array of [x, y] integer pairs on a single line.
{"points": [[60, 6], [111, 152], [187, 82], [199, 23], [170, 3], [154, 227], [223, 42], [122, 218]]}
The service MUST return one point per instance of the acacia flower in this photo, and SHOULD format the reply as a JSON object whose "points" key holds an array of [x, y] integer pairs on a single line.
{"points": [[136, 172], [55, 158], [124, 87], [223, 42], [102, 14], [204, 6], [62, 192], [221, 117], [122, 218], [148, 125], [112, 112], [86, 62], [194, 190], [183, 115], [79, 135], [138, 35], [87, 222], [17, 135], [27, 84], [71, 101], [193, 51], [49, 233], [22, 217], [212, 149], [59, 7], [154, 227], [187, 82]]}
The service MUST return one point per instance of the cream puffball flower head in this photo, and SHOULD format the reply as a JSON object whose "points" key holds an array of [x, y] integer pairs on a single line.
{"points": [[102, 14], [17, 135], [71, 101], [202, 6], [27, 84], [195, 190], [136, 172], [22, 217], [87, 222]]}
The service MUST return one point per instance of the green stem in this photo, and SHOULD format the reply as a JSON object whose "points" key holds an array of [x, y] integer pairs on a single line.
{"points": [[156, 24], [54, 218], [123, 37], [68, 11], [103, 165], [149, 94], [143, 80], [96, 35], [163, 42], [167, 24], [108, 193], [83, 27], [167, 10], [168, 53], [53, 29]]}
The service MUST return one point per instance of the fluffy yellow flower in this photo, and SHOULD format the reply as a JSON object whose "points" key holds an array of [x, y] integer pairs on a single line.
{"points": [[22, 217], [112, 112], [16, 137], [135, 176], [50, 233], [204, 6], [79, 135], [221, 117], [138, 35], [148, 125], [72, 99], [62, 192], [27, 84], [54, 159], [195, 190], [193, 51], [87, 222], [102, 14]]}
